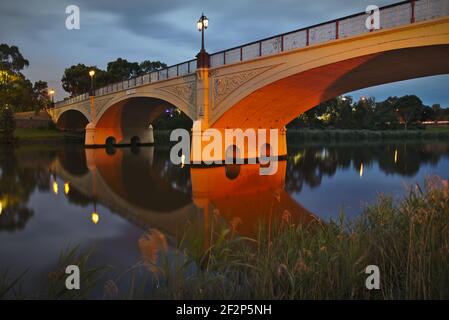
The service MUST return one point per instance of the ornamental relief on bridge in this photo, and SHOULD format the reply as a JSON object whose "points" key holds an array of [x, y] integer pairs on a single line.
{"points": [[185, 91], [225, 85], [100, 105]]}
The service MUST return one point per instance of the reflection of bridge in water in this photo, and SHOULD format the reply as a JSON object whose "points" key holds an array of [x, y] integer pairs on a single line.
{"points": [[140, 187]]}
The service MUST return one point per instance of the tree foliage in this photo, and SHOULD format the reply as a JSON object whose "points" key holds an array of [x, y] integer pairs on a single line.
{"points": [[16, 91], [76, 79], [366, 113]]}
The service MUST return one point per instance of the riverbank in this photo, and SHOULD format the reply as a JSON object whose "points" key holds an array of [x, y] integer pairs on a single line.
{"points": [[162, 137], [296, 135], [45, 136]]}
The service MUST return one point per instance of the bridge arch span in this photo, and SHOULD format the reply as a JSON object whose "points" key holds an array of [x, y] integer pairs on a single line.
{"points": [[157, 94], [129, 119], [272, 91], [72, 120]]}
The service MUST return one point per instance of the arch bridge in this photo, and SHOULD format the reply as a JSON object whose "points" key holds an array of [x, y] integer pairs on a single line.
{"points": [[267, 83]]}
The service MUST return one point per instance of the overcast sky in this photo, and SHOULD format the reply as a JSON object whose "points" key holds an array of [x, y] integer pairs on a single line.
{"points": [[165, 30]]}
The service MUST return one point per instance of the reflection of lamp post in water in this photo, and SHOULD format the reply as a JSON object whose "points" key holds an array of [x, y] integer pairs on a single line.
{"points": [[95, 217]]}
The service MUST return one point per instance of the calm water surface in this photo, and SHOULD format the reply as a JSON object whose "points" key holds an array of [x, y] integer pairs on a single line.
{"points": [[55, 197]]}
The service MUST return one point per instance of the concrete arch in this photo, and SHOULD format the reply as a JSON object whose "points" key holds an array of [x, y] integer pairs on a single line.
{"points": [[155, 94], [276, 89], [129, 120], [72, 120]]}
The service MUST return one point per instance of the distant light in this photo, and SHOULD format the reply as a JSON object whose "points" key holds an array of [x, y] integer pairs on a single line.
{"points": [[91, 73], [55, 187], [51, 92], [183, 159], [66, 188], [95, 218], [1, 208], [395, 155], [361, 170]]}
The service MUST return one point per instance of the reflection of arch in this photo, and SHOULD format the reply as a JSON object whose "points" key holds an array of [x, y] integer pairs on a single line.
{"points": [[72, 120], [232, 171], [232, 154], [248, 197], [73, 160], [131, 177], [127, 184], [274, 90]]}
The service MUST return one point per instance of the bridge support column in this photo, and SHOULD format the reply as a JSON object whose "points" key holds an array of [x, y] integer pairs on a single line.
{"points": [[248, 145], [96, 136]]}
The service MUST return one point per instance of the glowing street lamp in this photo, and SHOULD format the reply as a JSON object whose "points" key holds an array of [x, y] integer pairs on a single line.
{"points": [[203, 59], [92, 74], [51, 93], [202, 24]]}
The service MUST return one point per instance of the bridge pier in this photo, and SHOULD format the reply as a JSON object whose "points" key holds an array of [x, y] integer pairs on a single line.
{"points": [[215, 145], [98, 136]]}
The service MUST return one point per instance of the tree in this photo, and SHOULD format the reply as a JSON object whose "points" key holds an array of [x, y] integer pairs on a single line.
{"points": [[121, 69], [7, 125], [363, 112], [148, 66], [409, 108], [76, 79], [16, 91], [11, 59], [40, 95], [385, 116], [344, 113]]}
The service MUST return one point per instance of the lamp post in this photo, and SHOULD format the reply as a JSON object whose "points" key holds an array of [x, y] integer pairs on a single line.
{"points": [[91, 95], [51, 93], [202, 24], [92, 74], [202, 56]]}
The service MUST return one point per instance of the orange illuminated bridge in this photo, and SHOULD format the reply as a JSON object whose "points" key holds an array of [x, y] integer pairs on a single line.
{"points": [[267, 83]]}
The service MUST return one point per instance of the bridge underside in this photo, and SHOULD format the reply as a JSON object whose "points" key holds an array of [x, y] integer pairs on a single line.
{"points": [[127, 122], [280, 102], [72, 120]]}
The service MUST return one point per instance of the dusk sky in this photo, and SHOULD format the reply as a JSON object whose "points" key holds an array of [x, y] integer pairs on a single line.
{"points": [[140, 30]]}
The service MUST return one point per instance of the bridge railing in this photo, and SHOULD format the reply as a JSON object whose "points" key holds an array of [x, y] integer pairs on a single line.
{"points": [[394, 15], [176, 70]]}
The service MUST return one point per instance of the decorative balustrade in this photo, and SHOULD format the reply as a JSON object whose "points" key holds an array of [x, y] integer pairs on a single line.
{"points": [[394, 15]]}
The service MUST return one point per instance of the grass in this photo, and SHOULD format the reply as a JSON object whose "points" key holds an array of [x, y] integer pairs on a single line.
{"points": [[437, 128], [38, 134], [407, 240]]}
